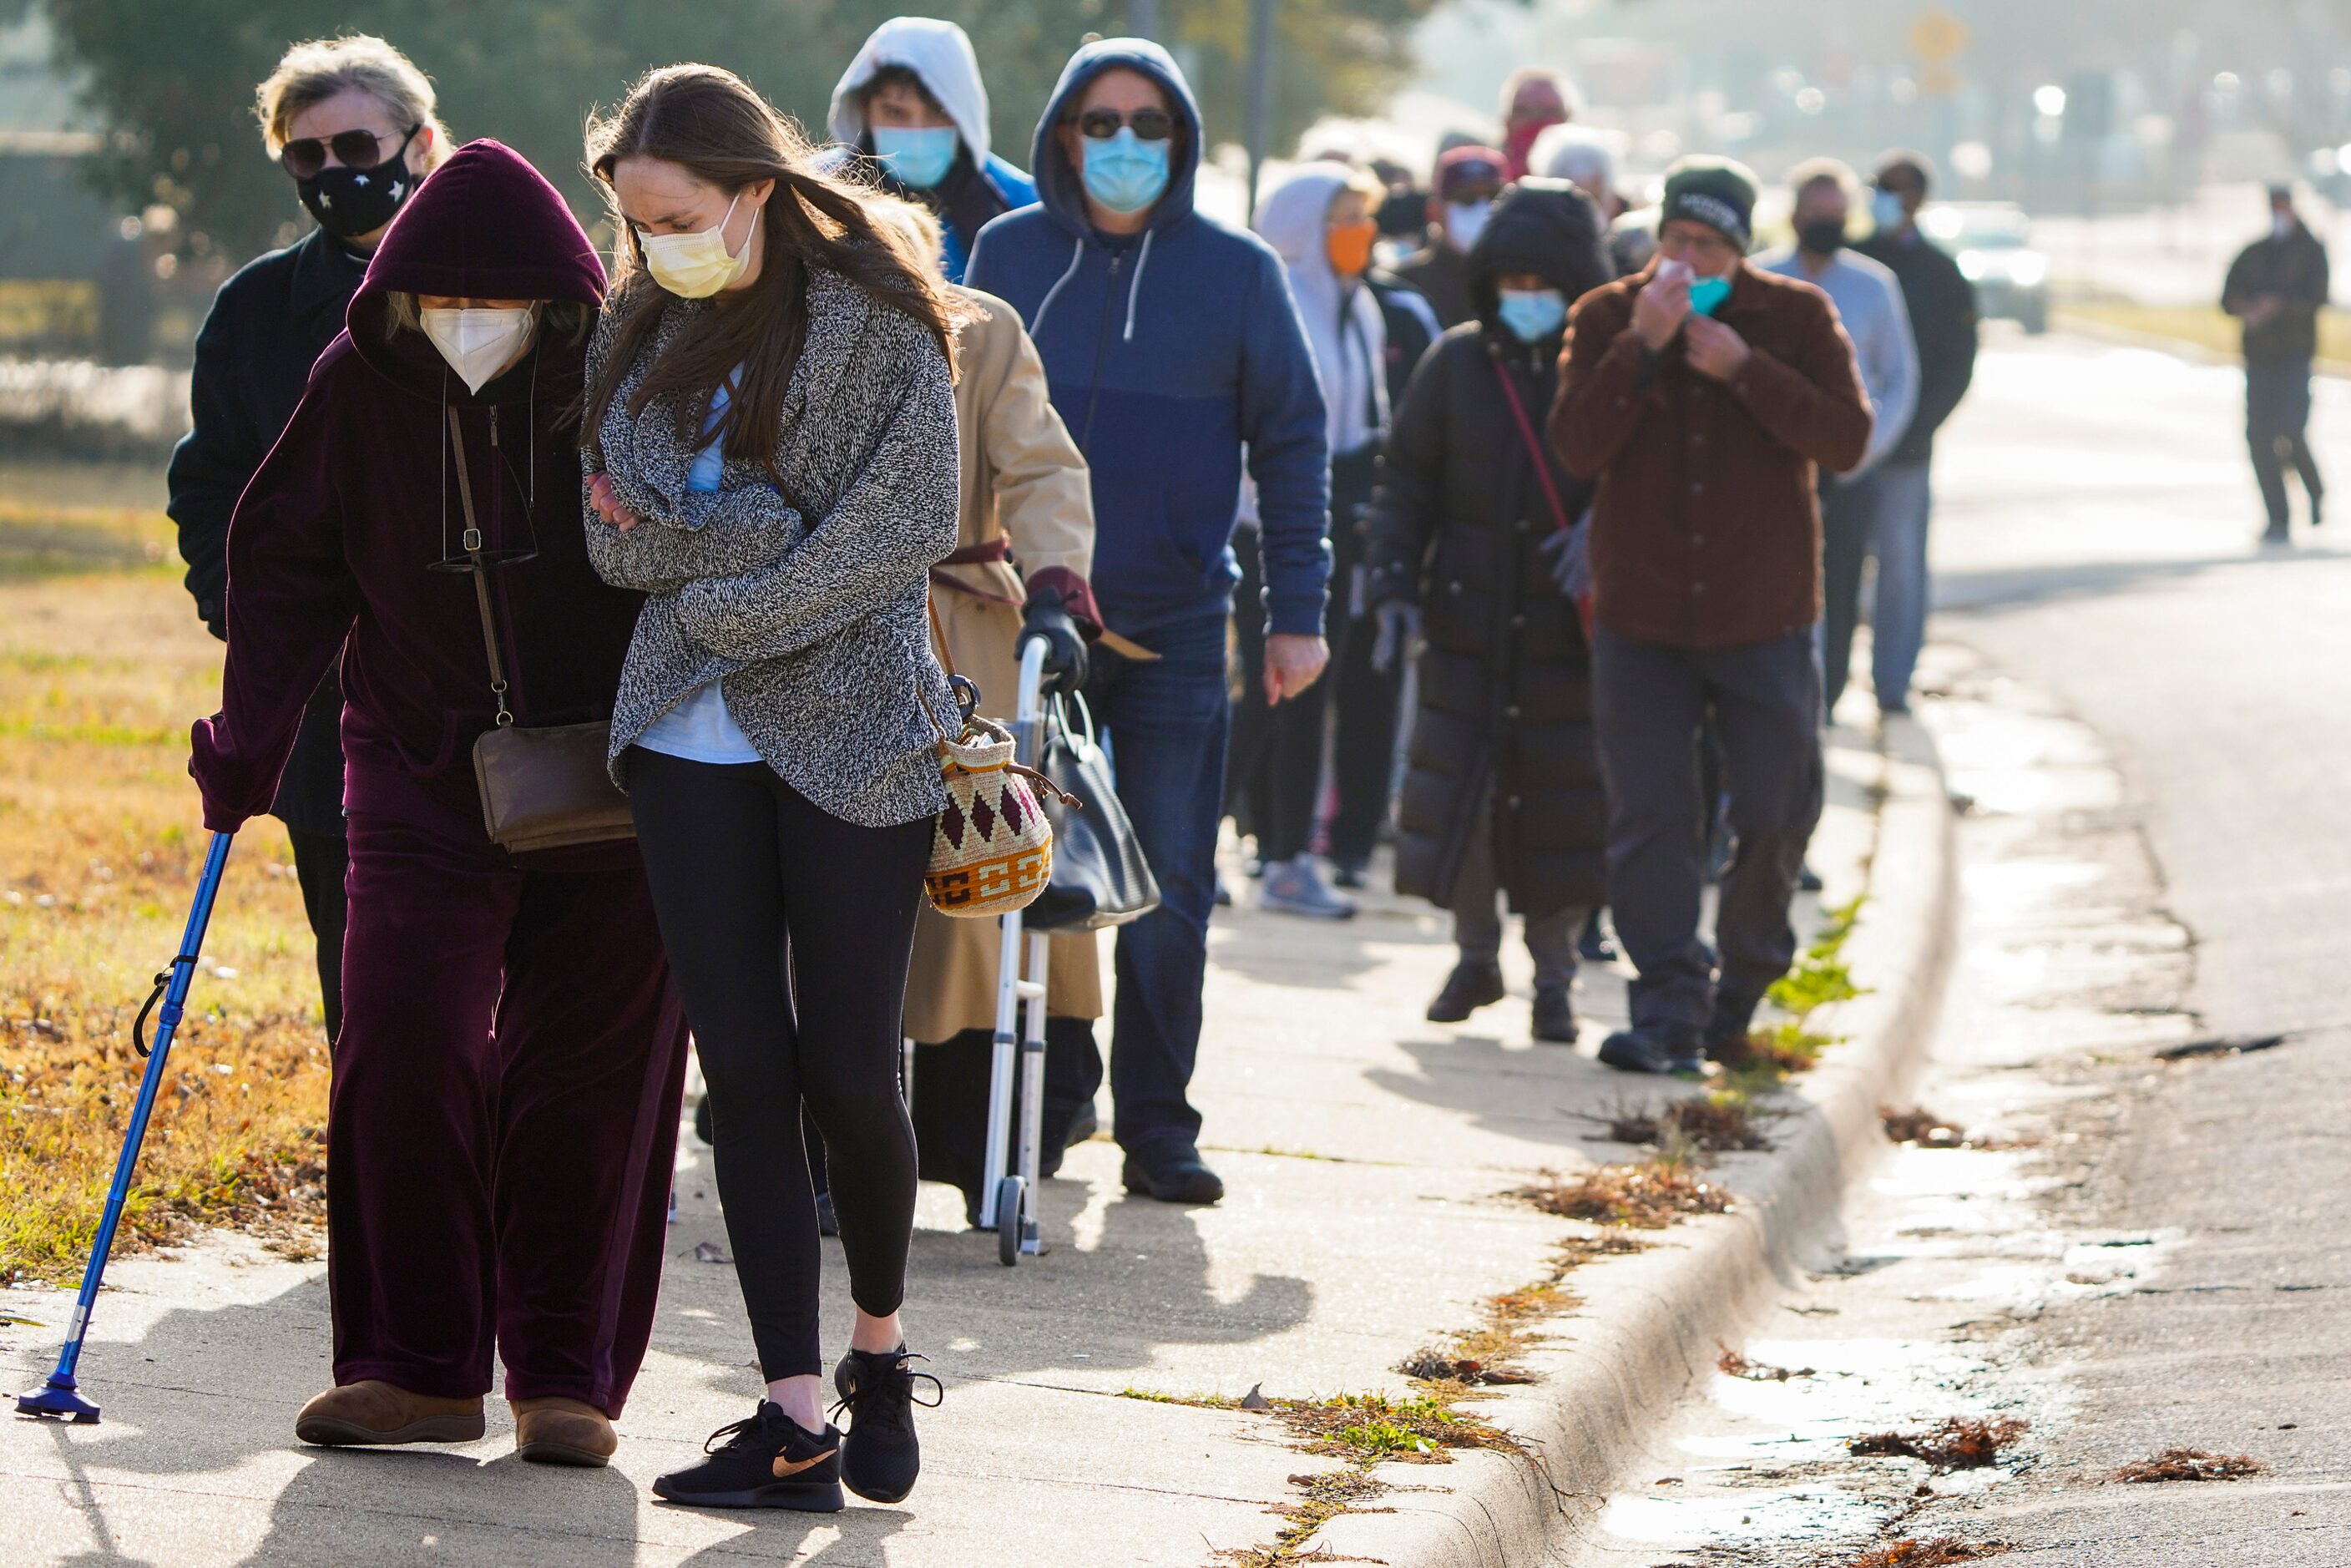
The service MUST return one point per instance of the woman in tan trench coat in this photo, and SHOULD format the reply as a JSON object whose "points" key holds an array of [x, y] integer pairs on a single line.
{"points": [[1025, 539]]}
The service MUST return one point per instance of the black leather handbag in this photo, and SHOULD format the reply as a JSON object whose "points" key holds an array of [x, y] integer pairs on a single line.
{"points": [[1100, 877]]}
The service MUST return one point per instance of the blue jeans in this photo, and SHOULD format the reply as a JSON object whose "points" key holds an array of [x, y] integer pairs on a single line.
{"points": [[1898, 616], [1164, 722]]}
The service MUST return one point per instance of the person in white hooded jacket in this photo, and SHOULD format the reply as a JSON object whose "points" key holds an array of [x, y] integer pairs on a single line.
{"points": [[912, 101], [1320, 221]]}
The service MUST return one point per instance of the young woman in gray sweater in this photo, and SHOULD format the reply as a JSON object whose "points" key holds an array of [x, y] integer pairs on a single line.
{"points": [[771, 451]]}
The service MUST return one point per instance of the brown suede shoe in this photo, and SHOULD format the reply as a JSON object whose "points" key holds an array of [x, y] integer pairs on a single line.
{"points": [[374, 1413], [558, 1431]]}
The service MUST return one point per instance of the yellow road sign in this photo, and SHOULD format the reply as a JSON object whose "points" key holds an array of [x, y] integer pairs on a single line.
{"points": [[1939, 37]]}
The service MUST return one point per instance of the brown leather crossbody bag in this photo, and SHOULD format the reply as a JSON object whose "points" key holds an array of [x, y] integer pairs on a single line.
{"points": [[542, 785]]}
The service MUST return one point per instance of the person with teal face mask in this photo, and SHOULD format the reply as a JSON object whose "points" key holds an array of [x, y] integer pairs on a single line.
{"points": [[1173, 353], [912, 102], [1703, 431], [1502, 799]]}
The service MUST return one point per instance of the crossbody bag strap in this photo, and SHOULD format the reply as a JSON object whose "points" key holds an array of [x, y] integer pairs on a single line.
{"points": [[481, 571], [1535, 447]]}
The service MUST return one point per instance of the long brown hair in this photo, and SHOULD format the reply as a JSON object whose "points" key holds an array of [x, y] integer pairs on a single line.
{"points": [[711, 123]]}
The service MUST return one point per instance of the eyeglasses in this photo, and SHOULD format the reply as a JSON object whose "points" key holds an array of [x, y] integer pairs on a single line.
{"points": [[1101, 124], [306, 156], [1705, 242]]}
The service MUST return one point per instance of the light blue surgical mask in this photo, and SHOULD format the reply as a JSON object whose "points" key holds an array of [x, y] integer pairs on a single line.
{"points": [[1532, 314], [1707, 294], [1125, 172], [917, 158], [1886, 211]]}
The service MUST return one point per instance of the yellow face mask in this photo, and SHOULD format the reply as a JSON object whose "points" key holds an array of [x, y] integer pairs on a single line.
{"points": [[696, 265]]}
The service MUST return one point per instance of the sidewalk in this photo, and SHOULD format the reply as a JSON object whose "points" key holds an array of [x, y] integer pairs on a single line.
{"points": [[1363, 1150]]}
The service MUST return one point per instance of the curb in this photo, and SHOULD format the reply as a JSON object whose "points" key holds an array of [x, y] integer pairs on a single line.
{"points": [[1649, 1322]]}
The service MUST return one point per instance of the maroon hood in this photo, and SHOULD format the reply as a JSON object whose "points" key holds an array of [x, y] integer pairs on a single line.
{"points": [[484, 226]]}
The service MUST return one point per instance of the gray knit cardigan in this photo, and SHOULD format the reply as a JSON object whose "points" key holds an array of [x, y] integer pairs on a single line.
{"points": [[817, 633]]}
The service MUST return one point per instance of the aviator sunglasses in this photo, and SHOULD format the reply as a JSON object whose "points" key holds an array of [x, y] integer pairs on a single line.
{"points": [[1101, 124], [307, 156]]}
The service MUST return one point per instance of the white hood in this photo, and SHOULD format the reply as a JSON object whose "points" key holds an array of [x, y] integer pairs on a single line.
{"points": [[938, 52], [1344, 324]]}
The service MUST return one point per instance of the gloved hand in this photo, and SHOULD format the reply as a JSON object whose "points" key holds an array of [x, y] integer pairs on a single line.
{"points": [[1561, 558], [1065, 648], [1398, 621]]}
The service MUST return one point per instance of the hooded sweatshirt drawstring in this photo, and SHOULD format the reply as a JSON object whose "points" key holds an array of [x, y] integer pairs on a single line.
{"points": [[1141, 261], [1077, 255]]}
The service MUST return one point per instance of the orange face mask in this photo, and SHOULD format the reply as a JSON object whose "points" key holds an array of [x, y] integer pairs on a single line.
{"points": [[1349, 247]]}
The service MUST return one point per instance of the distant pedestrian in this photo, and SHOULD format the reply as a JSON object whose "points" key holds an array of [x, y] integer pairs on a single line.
{"points": [[912, 101], [1870, 308], [355, 126], [1534, 99], [1590, 159], [771, 433], [504, 1113], [2276, 286], [1941, 303], [1469, 181], [1318, 221], [1701, 395], [1503, 797], [1178, 360]]}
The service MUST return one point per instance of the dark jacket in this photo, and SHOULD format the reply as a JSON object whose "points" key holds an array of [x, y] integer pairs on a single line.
{"points": [[1942, 305], [1174, 358], [267, 326], [1706, 532], [333, 546], [2293, 267], [1505, 687], [1441, 274]]}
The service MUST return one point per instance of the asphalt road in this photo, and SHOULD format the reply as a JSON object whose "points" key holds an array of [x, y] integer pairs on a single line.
{"points": [[2151, 712]]}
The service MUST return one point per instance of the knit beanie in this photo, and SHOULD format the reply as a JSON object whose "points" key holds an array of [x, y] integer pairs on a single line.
{"points": [[1716, 191]]}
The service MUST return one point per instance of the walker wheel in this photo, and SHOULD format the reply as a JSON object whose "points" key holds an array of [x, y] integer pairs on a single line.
{"points": [[1007, 1220]]}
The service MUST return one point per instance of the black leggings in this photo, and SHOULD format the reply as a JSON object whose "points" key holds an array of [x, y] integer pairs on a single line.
{"points": [[749, 877]]}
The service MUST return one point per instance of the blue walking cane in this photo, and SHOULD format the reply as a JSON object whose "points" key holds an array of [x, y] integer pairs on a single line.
{"points": [[58, 1397]]}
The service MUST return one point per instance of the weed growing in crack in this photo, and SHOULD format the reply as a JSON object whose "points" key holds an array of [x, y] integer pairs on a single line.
{"points": [[1720, 1121], [1960, 1443], [1323, 1498], [2192, 1465], [1819, 977]]}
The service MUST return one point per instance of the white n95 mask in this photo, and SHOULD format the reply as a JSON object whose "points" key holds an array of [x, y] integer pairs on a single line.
{"points": [[479, 343], [696, 265]]}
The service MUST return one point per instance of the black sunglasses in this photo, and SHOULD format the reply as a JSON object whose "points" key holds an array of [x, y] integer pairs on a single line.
{"points": [[1101, 124], [306, 156]]}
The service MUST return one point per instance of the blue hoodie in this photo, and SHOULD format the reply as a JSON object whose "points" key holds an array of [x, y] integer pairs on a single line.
{"points": [[1171, 355]]}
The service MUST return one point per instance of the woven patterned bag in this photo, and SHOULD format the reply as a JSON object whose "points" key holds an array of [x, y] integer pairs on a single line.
{"points": [[992, 848]]}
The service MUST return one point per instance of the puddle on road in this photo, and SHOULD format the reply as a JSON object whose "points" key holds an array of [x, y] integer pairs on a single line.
{"points": [[2064, 952]]}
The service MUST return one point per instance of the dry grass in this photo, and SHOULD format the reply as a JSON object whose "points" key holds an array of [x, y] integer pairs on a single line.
{"points": [[1941, 1552], [1960, 1443], [1644, 1195], [100, 673], [2192, 1465]]}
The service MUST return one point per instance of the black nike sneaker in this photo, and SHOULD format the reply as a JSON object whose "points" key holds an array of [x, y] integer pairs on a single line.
{"points": [[880, 1457], [768, 1461]]}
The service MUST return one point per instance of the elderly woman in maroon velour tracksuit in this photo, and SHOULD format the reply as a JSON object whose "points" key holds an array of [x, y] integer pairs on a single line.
{"points": [[505, 1085]]}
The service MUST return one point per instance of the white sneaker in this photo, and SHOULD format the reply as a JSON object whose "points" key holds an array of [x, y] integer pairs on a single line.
{"points": [[1297, 887]]}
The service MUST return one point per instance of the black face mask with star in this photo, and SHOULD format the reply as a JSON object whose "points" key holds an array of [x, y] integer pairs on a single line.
{"points": [[349, 202]]}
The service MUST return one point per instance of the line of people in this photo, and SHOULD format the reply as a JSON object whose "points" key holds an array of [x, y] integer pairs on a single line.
{"points": [[833, 422]]}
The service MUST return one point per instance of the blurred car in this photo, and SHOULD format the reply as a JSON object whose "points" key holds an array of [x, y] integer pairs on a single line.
{"points": [[1991, 241]]}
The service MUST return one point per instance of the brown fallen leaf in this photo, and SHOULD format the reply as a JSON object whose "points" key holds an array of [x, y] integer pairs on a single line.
{"points": [[2192, 1465]]}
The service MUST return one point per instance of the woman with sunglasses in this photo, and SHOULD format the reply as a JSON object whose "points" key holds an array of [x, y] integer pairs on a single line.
{"points": [[771, 438], [353, 123], [504, 1114]]}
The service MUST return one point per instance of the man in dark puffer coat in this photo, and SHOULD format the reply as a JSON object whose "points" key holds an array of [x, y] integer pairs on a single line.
{"points": [[1502, 792]]}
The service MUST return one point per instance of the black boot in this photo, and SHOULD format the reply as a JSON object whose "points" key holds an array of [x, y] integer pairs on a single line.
{"points": [[1554, 1018], [1471, 985], [1178, 1177], [1660, 1047]]}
